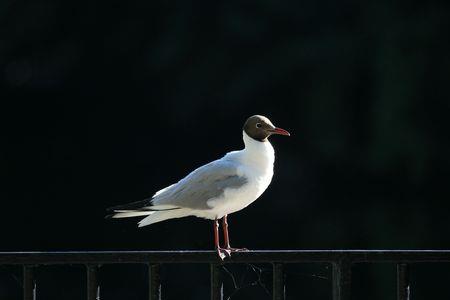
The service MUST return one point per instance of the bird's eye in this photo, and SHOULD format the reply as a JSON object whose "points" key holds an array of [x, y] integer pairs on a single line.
{"points": [[258, 125]]}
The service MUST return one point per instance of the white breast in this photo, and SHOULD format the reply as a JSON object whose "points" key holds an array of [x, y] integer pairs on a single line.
{"points": [[256, 164]]}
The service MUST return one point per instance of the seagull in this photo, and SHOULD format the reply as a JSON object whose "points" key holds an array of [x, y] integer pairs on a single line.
{"points": [[217, 189]]}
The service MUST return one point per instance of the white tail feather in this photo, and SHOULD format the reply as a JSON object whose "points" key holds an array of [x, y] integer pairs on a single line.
{"points": [[128, 214], [158, 216]]}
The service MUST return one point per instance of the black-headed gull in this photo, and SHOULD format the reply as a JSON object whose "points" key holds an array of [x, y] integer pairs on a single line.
{"points": [[216, 189]]}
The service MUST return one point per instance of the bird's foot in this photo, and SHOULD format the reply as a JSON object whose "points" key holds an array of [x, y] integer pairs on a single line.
{"points": [[223, 252], [230, 249], [226, 252]]}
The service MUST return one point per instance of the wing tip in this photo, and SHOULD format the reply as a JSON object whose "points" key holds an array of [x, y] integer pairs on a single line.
{"points": [[131, 206]]}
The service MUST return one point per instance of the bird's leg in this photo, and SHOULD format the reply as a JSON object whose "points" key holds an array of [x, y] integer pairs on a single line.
{"points": [[220, 251], [227, 237], [225, 231]]}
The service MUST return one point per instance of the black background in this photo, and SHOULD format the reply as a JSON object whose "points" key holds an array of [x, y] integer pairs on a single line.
{"points": [[105, 102]]}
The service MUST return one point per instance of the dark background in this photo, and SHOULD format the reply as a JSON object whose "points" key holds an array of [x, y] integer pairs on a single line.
{"points": [[105, 102]]}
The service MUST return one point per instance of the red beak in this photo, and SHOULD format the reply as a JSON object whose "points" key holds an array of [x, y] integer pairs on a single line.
{"points": [[280, 131]]}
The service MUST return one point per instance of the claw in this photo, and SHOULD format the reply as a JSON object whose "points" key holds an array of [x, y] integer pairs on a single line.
{"points": [[228, 252], [236, 249], [231, 250], [223, 253]]}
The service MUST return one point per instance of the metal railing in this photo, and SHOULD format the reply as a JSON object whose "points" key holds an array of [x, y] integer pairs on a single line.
{"points": [[341, 261]]}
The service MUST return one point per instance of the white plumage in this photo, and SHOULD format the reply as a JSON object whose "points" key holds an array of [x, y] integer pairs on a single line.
{"points": [[216, 189]]}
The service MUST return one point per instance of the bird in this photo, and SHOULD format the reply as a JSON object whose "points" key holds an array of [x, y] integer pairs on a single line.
{"points": [[216, 189]]}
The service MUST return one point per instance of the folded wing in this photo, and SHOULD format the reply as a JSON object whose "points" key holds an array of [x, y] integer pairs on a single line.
{"points": [[207, 182], [190, 193]]}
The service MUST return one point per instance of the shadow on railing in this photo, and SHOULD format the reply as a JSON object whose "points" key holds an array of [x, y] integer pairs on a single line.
{"points": [[341, 260]]}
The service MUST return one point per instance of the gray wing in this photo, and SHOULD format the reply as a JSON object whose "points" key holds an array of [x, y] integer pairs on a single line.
{"points": [[203, 184]]}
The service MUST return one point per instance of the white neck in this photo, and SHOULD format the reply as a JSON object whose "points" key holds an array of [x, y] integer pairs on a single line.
{"points": [[261, 153]]}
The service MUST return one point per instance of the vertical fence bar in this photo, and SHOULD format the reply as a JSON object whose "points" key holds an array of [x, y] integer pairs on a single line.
{"points": [[403, 284], [154, 282], [216, 282], [29, 283], [279, 288], [342, 280], [93, 288]]}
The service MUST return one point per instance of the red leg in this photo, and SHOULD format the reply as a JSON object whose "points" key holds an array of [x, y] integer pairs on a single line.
{"points": [[225, 231], [216, 234], [227, 237], [220, 251]]}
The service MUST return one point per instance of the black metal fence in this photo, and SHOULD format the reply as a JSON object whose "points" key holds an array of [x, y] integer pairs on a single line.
{"points": [[341, 260]]}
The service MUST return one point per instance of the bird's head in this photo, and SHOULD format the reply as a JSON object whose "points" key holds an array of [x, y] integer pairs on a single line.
{"points": [[260, 128]]}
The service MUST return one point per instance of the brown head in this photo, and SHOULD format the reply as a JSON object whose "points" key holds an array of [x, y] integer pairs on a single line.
{"points": [[260, 128]]}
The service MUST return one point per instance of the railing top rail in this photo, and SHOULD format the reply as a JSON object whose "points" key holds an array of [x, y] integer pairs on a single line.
{"points": [[255, 256]]}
